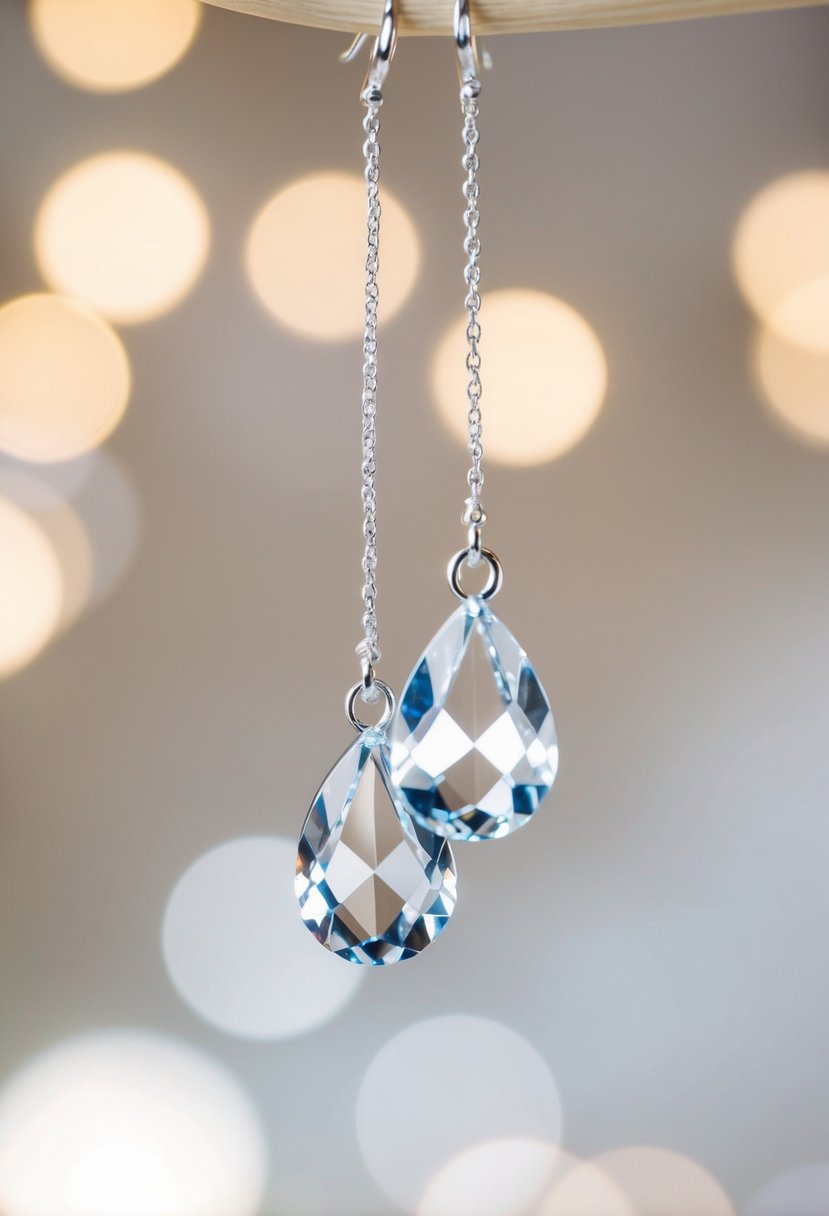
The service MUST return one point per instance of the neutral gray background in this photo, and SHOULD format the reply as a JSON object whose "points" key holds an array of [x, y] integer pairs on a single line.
{"points": [[661, 937]]}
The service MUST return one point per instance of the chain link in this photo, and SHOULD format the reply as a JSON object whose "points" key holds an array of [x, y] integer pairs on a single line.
{"points": [[474, 514], [368, 649]]}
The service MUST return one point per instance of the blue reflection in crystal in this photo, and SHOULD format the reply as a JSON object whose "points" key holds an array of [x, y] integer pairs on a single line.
{"points": [[373, 886], [473, 743]]}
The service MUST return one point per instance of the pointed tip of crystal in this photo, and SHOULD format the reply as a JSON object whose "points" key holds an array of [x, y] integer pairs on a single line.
{"points": [[373, 886], [473, 743]]}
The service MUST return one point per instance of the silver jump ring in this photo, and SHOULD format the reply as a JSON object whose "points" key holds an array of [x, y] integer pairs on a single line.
{"points": [[494, 579], [388, 712]]}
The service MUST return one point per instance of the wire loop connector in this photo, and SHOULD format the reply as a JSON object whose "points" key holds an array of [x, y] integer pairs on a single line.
{"points": [[494, 580]]}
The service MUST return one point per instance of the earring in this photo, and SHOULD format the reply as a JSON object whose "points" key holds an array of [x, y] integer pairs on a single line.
{"points": [[473, 744], [373, 886]]}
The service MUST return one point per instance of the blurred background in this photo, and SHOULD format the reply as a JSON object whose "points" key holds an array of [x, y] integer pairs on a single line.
{"points": [[627, 1015]]}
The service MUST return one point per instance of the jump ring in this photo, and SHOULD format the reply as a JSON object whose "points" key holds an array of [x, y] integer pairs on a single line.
{"points": [[494, 579], [388, 712]]}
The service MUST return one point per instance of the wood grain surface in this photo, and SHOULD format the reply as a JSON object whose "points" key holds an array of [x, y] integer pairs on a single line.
{"points": [[499, 16]]}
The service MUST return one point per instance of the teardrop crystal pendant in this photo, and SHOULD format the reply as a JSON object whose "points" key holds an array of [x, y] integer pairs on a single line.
{"points": [[473, 743], [373, 886]]}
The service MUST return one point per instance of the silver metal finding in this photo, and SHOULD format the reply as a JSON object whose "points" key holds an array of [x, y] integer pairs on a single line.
{"points": [[368, 649], [364, 653], [359, 691], [382, 53], [369, 646], [474, 546], [468, 68], [494, 580], [474, 517]]}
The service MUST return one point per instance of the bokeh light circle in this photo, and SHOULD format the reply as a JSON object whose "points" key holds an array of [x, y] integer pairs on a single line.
{"points": [[31, 588], [124, 231], [305, 255], [580, 1188], [63, 529], [39, 489], [64, 379], [73, 549], [801, 1192], [498, 1178], [659, 1182], [781, 257], [110, 46], [108, 507], [794, 381], [237, 951], [446, 1085], [89, 513], [128, 1123], [544, 374]]}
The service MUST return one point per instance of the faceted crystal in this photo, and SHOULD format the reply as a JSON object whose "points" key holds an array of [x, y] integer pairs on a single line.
{"points": [[473, 743], [373, 886]]}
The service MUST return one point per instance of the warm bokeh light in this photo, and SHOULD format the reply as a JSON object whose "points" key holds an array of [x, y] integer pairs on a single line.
{"points": [[125, 232], [498, 1178], [781, 257], [63, 529], [31, 588], [110, 46], [237, 951], [64, 379], [305, 255], [126, 1123], [801, 1192], [89, 512], [439, 1061], [544, 377], [580, 1188], [72, 547], [658, 1182], [795, 383]]}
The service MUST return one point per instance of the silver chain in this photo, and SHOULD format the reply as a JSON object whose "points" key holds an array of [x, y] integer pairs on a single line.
{"points": [[368, 649], [474, 515]]}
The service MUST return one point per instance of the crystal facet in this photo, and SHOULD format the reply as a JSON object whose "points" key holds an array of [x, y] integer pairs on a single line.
{"points": [[473, 743], [373, 886]]}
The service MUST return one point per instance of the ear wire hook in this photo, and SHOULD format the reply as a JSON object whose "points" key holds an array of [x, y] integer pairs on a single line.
{"points": [[469, 66], [382, 53]]}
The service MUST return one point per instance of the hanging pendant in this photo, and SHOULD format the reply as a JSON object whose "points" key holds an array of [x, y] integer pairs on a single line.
{"points": [[373, 886], [473, 744]]}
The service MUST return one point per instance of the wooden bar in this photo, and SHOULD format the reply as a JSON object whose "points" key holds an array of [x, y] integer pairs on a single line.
{"points": [[499, 16]]}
